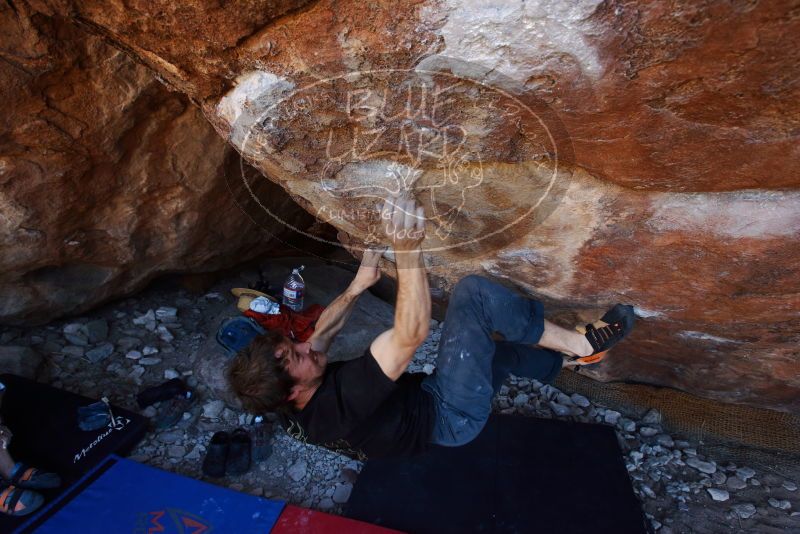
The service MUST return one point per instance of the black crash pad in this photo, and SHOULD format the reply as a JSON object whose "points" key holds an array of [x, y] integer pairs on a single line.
{"points": [[44, 421], [519, 475]]}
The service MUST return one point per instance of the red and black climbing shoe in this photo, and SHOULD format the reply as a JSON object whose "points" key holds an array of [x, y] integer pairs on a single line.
{"points": [[606, 332]]}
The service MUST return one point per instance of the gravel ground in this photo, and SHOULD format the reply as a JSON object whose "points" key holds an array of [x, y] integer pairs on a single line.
{"points": [[134, 343]]}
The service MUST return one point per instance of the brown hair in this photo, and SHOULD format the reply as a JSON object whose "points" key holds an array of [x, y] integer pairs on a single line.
{"points": [[258, 378]]}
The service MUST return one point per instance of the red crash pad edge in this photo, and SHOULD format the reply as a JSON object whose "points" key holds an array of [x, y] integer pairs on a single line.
{"points": [[296, 520]]}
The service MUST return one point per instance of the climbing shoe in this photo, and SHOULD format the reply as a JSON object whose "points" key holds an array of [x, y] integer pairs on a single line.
{"points": [[606, 332]]}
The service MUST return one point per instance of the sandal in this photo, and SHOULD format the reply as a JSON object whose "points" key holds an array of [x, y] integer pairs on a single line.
{"points": [[217, 455], [606, 332], [239, 456], [31, 478], [17, 501]]}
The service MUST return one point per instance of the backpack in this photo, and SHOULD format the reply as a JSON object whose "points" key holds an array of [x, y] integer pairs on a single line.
{"points": [[236, 333]]}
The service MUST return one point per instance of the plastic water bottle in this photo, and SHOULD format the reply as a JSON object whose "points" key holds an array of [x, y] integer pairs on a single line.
{"points": [[294, 290]]}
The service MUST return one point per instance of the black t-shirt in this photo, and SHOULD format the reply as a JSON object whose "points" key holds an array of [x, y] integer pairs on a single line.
{"points": [[357, 410]]}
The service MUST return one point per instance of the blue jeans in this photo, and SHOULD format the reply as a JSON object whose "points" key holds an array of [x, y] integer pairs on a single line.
{"points": [[471, 366]]}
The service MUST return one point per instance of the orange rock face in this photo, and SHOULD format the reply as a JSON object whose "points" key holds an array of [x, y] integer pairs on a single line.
{"points": [[586, 152], [106, 178]]}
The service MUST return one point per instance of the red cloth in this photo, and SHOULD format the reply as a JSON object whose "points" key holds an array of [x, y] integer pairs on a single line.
{"points": [[295, 325]]}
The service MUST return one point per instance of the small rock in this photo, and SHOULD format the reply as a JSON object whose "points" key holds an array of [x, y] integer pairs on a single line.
{"points": [[342, 493], [176, 451], [719, 478], [521, 399], [580, 400], [779, 504], [700, 465], [213, 408], [145, 319], [665, 440], [627, 425], [297, 471], [96, 330], [428, 368], [745, 473], [736, 483], [166, 312], [100, 352], [718, 494], [652, 417], [326, 503], [563, 399], [789, 485], [150, 411], [136, 372], [744, 510], [648, 491], [164, 334], [169, 374], [150, 360], [611, 417], [133, 355], [755, 482], [648, 431], [75, 334], [148, 350], [636, 456], [195, 453], [559, 409]]}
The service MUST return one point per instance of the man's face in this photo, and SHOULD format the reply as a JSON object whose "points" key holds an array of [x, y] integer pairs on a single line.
{"points": [[302, 363]]}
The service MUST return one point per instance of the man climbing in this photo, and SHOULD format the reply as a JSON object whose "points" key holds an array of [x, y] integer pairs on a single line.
{"points": [[369, 406]]}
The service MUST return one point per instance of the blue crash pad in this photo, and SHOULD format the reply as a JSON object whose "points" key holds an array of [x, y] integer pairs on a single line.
{"points": [[128, 496]]}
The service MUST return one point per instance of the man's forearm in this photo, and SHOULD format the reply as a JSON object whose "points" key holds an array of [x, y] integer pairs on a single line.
{"points": [[333, 319], [413, 308]]}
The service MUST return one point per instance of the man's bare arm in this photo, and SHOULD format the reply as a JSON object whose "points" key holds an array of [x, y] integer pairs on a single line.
{"points": [[338, 312], [394, 349]]}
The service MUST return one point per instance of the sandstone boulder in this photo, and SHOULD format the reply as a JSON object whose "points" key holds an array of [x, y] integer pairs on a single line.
{"points": [[586, 152], [107, 179]]}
